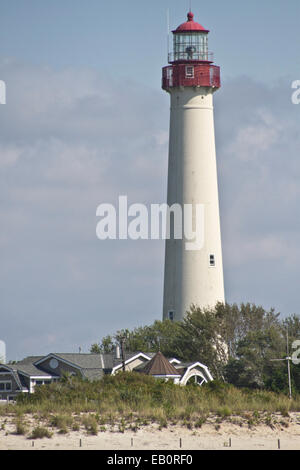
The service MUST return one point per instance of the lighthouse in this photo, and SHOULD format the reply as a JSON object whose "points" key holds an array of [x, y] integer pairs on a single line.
{"points": [[191, 78]]}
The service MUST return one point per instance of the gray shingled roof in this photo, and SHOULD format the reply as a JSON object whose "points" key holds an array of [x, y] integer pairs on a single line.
{"points": [[27, 366], [93, 374], [93, 366], [94, 361], [84, 361], [30, 369]]}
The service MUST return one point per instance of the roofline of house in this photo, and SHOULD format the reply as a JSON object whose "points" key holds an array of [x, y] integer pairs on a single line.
{"points": [[37, 377], [136, 356], [55, 356]]}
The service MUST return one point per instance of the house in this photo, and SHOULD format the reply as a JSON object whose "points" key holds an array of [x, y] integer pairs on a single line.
{"points": [[172, 369], [25, 375]]}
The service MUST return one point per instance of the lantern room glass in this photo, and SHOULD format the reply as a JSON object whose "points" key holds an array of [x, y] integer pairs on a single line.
{"points": [[190, 46]]}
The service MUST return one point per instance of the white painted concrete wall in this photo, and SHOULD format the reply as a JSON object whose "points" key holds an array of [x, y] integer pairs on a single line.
{"points": [[192, 179]]}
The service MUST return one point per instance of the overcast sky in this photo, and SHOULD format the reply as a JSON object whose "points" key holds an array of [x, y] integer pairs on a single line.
{"points": [[87, 121]]}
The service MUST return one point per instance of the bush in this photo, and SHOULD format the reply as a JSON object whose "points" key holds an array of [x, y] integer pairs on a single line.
{"points": [[200, 421], [91, 425], [62, 422], [224, 412], [40, 432], [143, 397], [20, 428]]}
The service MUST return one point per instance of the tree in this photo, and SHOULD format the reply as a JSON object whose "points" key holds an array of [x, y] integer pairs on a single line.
{"points": [[252, 365], [105, 347], [95, 349], [236, 342], [200, 339], [159, 336], [238, 321]]}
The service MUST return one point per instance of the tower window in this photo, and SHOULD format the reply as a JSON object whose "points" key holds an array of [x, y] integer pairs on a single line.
{"points": [[171, 315], [212, 261], [189, 71]]}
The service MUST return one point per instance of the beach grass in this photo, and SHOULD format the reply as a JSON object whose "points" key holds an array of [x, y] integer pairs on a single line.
{"points": [[130, 400]]}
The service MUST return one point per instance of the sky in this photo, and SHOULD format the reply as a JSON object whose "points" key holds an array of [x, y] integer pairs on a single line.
{"points": [[86, 121]]}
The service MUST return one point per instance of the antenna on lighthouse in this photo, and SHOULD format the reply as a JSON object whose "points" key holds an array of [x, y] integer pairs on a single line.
{"points": [[168, 30]]}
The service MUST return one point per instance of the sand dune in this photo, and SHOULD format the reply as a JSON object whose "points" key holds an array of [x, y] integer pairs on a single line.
{"points": [[260, 437]]}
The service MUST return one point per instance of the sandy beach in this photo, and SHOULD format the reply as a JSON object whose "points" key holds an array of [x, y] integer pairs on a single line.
{"points": [[241, 436]]}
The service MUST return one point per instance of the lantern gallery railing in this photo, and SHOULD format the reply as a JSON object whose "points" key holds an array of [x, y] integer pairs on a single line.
{"points": [[191, 54]]}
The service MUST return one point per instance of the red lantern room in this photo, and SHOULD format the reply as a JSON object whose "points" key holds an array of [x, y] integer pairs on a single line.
{"points": [[191, 62]]}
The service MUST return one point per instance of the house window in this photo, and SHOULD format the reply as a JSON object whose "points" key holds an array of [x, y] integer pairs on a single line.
{"points": [[212, 261], [189, 71], [171, 315], [53, 363], [5, 386]]}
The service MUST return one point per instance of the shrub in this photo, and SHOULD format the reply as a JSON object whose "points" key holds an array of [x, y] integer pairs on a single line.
{"points": [[20, 428], [91, 425], [61, 421], [143, 397], [121, 428], [284, 410], [40, 432], [224, 412], [63, 430], [200, 421], [162, 423], [75, 427]]}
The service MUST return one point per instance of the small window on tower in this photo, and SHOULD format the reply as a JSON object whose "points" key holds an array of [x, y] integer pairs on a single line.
{"points": [[171, 315], [212, 261], [189, 71]]}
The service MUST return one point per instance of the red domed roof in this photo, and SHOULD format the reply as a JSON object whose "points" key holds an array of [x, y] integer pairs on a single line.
{"points": [[190, 25]]}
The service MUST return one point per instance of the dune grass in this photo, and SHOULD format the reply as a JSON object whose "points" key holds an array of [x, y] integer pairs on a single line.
{"points": [[130, 400]]}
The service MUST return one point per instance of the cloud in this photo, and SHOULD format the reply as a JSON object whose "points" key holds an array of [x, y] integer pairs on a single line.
{"points": [[258, 149], [72, 139], [253, 140]]}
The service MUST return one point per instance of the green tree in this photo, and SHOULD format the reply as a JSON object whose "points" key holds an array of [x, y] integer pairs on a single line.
{"points": [[238, 321], [236, 342], [200, 339], [95, 348], [252, 366], [106, 346]]}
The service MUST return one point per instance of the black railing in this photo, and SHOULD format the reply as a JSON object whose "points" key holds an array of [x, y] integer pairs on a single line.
{"points": [[191, 55]]}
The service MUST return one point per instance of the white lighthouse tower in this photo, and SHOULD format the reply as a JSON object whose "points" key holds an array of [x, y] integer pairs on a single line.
{"points": [[192, 277]]}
